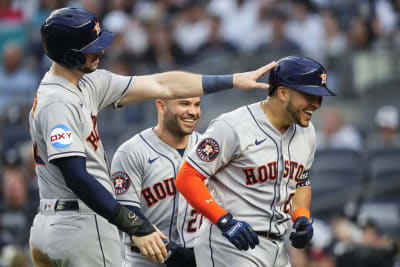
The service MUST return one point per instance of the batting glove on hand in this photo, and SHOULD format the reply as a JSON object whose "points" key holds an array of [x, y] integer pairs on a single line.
{"points": [[238, 232], [304, 232]]}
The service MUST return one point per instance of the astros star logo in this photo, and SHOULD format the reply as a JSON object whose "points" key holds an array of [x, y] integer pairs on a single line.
{"points": [[323, 78], [208, 149], [97, 28], [121, 182]]}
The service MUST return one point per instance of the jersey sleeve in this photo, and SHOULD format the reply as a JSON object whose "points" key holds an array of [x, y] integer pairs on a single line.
{"points": [[109, 87], [127, 173], [62, 130], [215, 149]]}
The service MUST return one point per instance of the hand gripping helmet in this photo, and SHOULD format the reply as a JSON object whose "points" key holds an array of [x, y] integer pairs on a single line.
{"points": [[68, 33], [300, 73]]}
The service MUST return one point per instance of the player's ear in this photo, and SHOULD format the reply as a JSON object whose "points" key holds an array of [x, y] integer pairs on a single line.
{"points": [[283, 93], [160, 104]]}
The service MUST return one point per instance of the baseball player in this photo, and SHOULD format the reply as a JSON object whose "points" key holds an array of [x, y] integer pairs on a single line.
{"points": [[257, 158], [79, 218], [144, 170]]}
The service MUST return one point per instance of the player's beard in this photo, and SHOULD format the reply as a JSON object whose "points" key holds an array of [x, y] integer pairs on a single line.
{"points": [[295, 114], [86, 68], [173, 125]]}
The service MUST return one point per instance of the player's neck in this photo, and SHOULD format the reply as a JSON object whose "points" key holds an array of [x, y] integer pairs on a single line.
{"points": [[73, 76], [173, 140], [275, 115]]}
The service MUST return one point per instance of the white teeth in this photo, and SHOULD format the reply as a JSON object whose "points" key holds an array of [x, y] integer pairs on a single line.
{"points": [[308, 112], [188, 120]]}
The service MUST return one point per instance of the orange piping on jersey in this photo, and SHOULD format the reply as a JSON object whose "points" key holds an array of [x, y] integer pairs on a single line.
{"points": [[300, 212], [190, 183], [34, 105]]}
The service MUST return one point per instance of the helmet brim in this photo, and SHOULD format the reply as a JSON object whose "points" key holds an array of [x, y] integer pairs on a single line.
{"points": [[313, 90], [100, 44]]}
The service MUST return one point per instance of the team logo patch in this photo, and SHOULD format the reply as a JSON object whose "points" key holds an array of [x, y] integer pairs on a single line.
{"points": [[208, 149], [61, 136], [121, 182]]}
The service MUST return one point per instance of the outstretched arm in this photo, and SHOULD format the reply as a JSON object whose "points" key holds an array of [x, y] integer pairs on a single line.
{"points": [[179, 84]]}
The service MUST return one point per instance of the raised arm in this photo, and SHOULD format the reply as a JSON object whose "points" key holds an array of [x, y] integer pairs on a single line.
{"points": [[179, 84]]}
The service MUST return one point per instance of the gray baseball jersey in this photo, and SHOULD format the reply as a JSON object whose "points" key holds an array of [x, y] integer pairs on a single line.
{"points": [[253, 170], [144, 170], [63, 123]]}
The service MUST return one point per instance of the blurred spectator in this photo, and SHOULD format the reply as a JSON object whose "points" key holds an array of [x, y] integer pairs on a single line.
{"points": [[215, 45], [130, 34], [335, 40], [321, 258], [361, 34], [16, 81], [240, 22], [279, 43], [386, 134], [14, 256], [346, 235], [14, 221], [191, 28], [29, 169], [336, 134], [371, 252], [162, 53], [305, 28]]}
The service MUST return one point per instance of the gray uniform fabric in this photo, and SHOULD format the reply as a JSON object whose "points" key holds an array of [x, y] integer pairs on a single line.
{"points": [[144, 170], [253, 171], [63, 123]]}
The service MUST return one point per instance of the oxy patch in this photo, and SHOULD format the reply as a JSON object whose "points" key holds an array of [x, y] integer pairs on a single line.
{"points": [[61, 136], [121, 182], [208, 149]]}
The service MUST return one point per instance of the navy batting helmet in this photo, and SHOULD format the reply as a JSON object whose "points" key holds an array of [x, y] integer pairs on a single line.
{"points": [[68, 33], [300, 73]]}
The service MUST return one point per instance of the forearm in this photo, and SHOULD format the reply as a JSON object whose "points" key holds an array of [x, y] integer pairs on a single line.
{"points": [[190, 183], [302, 199], [96, 197]]}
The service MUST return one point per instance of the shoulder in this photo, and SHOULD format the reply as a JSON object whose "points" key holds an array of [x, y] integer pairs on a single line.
{"points": [[136, 144], [234, 118]]}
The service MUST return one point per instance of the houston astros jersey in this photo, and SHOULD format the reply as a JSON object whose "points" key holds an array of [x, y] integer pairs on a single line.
{"points": [[63, 123], [144, 170], [254, 169]]}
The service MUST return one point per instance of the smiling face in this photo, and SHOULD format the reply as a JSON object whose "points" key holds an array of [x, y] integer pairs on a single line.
{"points": [[180, 116], [300, 106], [91, 63]]}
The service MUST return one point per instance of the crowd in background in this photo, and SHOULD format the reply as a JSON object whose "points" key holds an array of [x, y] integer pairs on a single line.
{"points": [[215, 36]]}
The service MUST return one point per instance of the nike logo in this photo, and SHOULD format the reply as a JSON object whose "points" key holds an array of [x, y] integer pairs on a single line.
{"points": [[152, 160], [260, 141]]}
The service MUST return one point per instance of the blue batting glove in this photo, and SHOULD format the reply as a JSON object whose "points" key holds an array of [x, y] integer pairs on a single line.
{"points": [[238, 233], [304, 232]]}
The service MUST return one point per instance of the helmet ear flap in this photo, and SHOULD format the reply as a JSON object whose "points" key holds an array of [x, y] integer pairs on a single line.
{"points": [[73, 59]]}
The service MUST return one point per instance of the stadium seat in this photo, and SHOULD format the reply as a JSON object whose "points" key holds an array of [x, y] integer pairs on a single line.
{"points": [[335, 180]]}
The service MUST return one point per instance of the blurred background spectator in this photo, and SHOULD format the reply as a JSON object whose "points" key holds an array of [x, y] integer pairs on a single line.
{"points": [[358, 42], [386, 134]]}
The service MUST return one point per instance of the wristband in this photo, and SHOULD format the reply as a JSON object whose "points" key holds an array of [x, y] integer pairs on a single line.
{"points": [[300, 212], [215, 83]]}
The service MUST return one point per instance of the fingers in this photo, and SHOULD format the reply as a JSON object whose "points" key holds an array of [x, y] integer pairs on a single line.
{"points": [[164, 237], [151, 246], [261, 71]]}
